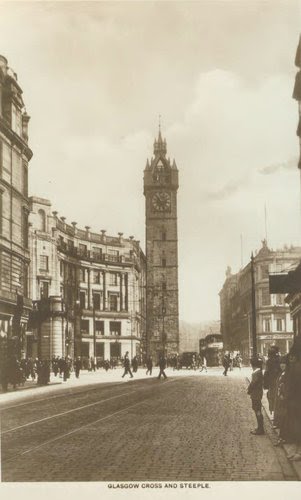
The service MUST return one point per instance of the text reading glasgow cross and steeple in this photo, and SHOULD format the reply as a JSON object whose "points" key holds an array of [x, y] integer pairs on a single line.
{"points": [[160, 191]]}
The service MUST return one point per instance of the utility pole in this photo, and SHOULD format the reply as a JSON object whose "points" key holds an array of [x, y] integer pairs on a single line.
{"points": [[163, 323], [254, 337]]}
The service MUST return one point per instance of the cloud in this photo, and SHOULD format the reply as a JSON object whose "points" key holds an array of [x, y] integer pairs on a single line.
{"points": [[272, 169]]}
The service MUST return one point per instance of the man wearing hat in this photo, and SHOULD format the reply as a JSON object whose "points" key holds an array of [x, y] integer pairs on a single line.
{"points": [[255, 391]]}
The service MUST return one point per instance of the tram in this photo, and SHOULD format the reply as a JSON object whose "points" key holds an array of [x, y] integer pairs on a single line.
{"points": [[211, 347]]}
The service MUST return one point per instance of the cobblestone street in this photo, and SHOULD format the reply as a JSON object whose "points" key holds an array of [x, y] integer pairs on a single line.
{"points": [[188, 428]]}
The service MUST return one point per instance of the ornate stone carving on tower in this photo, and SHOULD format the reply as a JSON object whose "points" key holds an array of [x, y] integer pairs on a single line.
{"points": [[162, 310]]}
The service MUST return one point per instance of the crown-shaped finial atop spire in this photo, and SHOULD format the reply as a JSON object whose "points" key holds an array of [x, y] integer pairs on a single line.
{"points": [[160, 144]]}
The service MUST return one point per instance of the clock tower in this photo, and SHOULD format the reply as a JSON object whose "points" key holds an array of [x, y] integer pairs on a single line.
{"points": [[162, 310]]}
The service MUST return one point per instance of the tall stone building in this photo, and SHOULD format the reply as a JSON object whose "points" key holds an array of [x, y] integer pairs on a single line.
{"points": [[14, 209], [88, 289], [273, 320], [160, 191]]}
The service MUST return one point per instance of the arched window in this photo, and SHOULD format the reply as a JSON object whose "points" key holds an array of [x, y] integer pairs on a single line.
{"points": [[41, 220]]}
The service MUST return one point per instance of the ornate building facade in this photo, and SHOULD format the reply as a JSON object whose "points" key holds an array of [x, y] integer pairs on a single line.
{"points": [[160, 191], [15, 154], [88, 289], [290, 283], [273, 321]]}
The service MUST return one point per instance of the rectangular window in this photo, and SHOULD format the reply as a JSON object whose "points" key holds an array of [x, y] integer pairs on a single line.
{"points": [[44, 289], [70, 244], [96, 301], [61, 267], [16, 120], [265, 297], [164, 262], [279, 324], [44, 262], [82, 249], [96, 277], [97, 253], [82, 300], [163, 235], [84, 326], [279, 299], [99, 327], [82, 275], [113, 255], [115, 328], [264, 272], [100, 349], [24, 221], [113, 279], [267, 325], [113, 302], [6, 157], [25, 180]]}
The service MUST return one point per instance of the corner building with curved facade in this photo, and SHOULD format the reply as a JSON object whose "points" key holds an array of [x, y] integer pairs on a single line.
{"points": [[88, 289]]}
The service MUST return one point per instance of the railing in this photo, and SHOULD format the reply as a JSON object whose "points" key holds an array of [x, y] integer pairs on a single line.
{"points": [[95, 257]]}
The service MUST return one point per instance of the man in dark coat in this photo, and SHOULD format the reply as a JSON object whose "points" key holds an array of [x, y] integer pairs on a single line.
{"points": [[149, 365], [126, 364], [255, 391], [226, 363], [77, 366], [162, 366]]}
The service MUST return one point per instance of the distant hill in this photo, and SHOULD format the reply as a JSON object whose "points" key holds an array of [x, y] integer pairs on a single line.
{"points": [[191, 333]]}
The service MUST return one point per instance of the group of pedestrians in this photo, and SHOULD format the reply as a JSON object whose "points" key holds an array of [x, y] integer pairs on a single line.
{"points": [[149, 365], [231, 360], [282, 380]]}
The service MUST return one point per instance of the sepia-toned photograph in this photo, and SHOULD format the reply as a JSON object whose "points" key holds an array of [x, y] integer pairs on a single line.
{"points": [[150, 244]]}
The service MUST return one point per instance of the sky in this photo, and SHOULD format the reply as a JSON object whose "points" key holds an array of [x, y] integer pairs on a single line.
{"points": [[97, 75]]}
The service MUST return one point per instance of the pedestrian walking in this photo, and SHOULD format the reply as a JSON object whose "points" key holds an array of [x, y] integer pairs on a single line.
{"points": [[162, 366], [135, 364], [127, 366], [149, 365], [226, 363], [255, 391], [77, 366], [204, 364]]}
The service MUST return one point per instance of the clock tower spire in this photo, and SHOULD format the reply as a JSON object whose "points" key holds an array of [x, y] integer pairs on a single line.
{"points": [[160, 191]]}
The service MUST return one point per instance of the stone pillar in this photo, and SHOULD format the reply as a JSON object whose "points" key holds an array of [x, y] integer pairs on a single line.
{"points": [[104, 291], [107, 350], [89, 288], [126, 276], [121, 291]]}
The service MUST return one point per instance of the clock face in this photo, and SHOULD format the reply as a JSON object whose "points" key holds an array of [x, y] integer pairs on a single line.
{"points": [[161, 202]]}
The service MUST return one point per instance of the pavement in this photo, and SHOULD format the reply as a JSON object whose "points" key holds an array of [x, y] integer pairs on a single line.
{"points": [[192, 427]]}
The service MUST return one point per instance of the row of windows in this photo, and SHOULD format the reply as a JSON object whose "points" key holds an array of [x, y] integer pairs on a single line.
{"points": [[22, 236], [12, 168], [114, 327], [267, 325], [266, 298], [113, 300], [83, 249]]}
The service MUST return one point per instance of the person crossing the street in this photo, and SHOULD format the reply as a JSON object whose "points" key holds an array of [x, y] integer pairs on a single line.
{"points": [[127, 365], [162, 366], [204, 364]]}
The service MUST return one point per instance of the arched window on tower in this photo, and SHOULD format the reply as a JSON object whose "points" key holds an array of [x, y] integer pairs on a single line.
{"points": [[41, 220]]}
